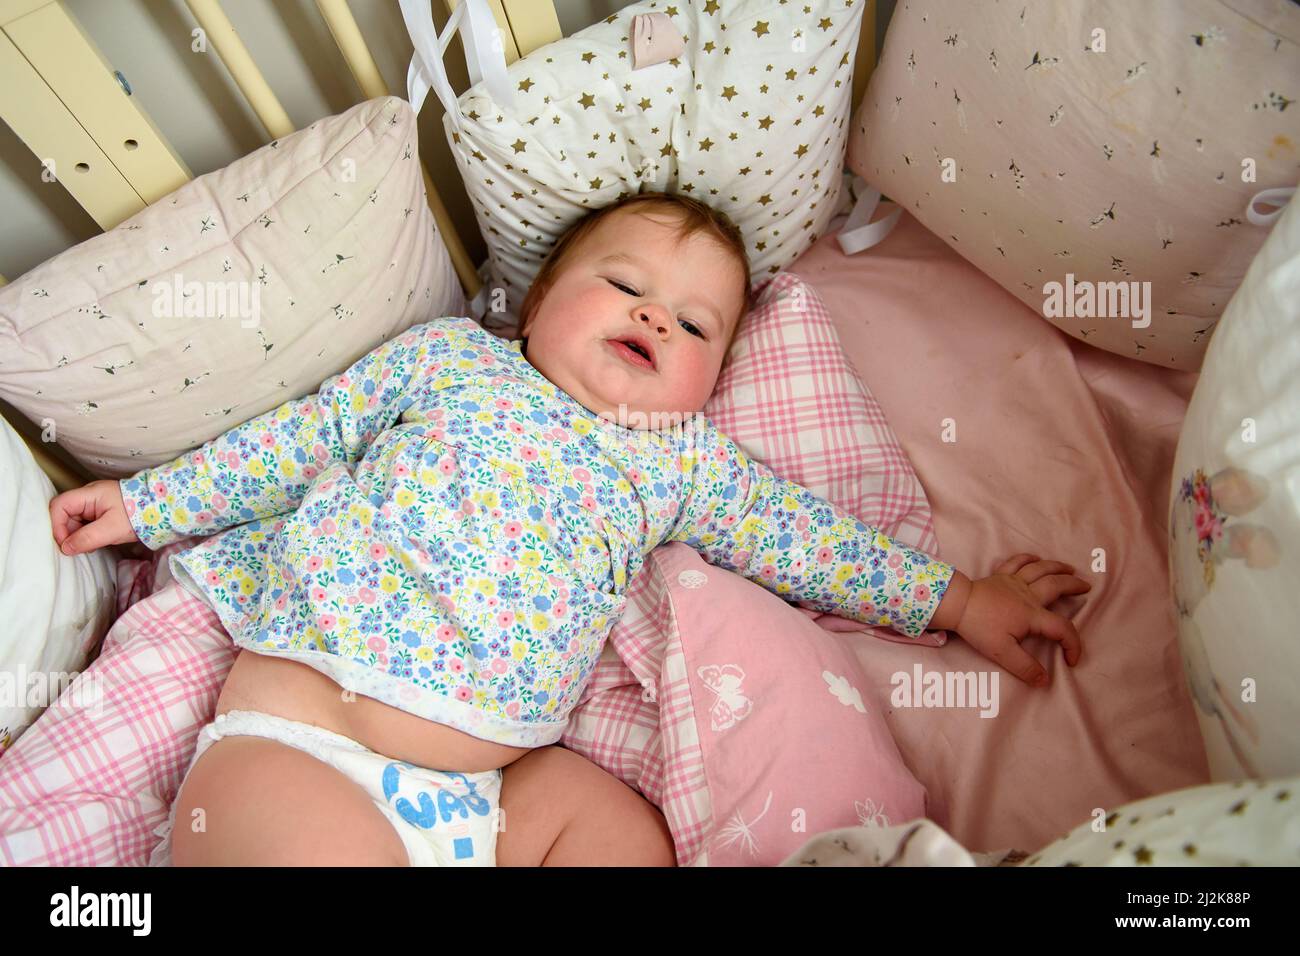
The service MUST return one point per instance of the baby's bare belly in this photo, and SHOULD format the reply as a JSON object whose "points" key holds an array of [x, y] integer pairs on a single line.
{"points": [[286, 688]]}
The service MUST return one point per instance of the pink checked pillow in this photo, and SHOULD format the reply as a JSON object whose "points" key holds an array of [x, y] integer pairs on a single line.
{"points": [[791, 398], [749, 725]]}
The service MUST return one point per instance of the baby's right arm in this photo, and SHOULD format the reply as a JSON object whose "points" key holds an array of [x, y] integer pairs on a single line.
{"points": [[264, 467]]}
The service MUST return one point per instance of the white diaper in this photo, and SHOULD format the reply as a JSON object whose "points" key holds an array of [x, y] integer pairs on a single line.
{"points": [[444, 818]]}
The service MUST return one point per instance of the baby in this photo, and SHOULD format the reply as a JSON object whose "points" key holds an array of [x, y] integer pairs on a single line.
{"points": [[421, 563]]}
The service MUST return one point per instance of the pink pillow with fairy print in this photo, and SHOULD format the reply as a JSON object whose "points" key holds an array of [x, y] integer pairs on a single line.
{"points": [[731, 711]]}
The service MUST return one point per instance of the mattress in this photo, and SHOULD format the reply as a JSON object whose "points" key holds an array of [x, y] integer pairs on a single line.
{"points": [[1057, 449]]}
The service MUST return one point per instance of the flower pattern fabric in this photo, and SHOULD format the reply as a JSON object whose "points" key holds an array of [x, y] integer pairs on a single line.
{"points": [[443, 529]]}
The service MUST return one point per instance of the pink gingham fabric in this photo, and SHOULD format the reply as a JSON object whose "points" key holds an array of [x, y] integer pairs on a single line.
{"points": [[86, 785], [790, 396], [82, 788]]}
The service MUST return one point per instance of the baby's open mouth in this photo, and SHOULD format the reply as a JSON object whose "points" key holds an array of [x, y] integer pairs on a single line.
{"points": [[634, 350]]}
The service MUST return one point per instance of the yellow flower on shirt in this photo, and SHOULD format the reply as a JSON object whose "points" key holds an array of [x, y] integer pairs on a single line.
{"points": [[256, 468]]}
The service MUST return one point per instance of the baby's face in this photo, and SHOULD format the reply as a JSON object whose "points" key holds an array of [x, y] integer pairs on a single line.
{"points": [[632, 288]]}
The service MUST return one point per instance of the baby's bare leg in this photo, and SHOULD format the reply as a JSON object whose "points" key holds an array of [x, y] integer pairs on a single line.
{"points": [[265, 803], [560, 809]]}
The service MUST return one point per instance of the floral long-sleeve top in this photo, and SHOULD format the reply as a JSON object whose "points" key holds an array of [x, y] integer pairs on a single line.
{"points": [[443, 529]]}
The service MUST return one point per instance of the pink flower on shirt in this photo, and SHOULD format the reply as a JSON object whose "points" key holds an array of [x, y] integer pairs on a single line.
{"points": [[529, 453], [366, 595], [314, 563], [377, 552], [268, 440], [582, 474], [326, 622], [513, 529], [505, 564], [446, 632], [505, 619], [456, 666], [377, 644], [922, 592]]}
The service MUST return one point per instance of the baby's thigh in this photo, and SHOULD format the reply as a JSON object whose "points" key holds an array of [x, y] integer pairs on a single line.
{"points": [[560, 809], [264, 803]]}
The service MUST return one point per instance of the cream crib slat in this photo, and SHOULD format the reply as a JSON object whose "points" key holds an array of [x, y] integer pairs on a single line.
{"points": [[865, 61], [76, 72], [507, 37], [50, 131], [347, 35], [221, 33], [533, 23]]}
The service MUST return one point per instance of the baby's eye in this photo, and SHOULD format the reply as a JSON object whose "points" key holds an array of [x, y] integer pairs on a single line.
{"points": [[691, 327], [622, 288]]}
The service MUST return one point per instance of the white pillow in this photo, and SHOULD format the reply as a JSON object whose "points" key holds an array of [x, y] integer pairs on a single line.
{"points": [[1234, 522], [327, 227], [1227, 824], [751, 120], [54, 609]]}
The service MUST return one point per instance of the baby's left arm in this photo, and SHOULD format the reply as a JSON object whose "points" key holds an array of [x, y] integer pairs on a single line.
{"points": [[745, 518]]}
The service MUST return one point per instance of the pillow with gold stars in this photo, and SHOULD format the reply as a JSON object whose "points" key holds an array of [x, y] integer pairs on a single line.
{"points": [[750, 119], [245, 287]]}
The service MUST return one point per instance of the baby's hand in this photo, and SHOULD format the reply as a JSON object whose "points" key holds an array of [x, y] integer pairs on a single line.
{"points": [[90, 517], [1010, 604]]}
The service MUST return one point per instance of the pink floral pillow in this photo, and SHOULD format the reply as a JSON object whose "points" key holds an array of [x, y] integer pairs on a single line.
{"points": [[746, 723]]}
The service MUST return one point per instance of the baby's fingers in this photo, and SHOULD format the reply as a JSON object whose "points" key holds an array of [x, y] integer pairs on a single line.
{"points": [[1056, 628], [1047, 589], [1016, 660]]}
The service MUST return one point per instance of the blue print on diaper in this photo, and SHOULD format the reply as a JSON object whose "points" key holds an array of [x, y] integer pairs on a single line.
{"points": [[426, 818]]}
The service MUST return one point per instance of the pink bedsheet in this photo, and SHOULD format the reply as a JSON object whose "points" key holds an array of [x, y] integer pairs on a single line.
{"points": [[1060, 449]]}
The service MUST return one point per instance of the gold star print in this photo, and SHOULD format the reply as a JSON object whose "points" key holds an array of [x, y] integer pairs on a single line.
{"points": [[764, 199], [667, 150], [472, 114], [760, 28], [728, 92], [525, 84], [711, 7], [790, 74], [516, 195], [595, 183], [765, 122], [588, 57], [645, 103], [744, 171], [825, 23], [818, 111], [709, 47], [519, 146], [587, 101], [803, 148], [671, 11], [760, 246], [706, 144], [479, 156]]}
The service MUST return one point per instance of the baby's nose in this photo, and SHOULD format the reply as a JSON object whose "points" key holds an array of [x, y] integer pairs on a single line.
{"points": [[653, 317]]}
